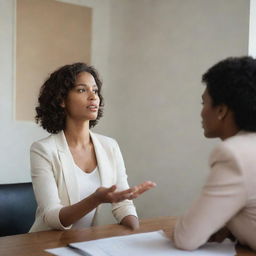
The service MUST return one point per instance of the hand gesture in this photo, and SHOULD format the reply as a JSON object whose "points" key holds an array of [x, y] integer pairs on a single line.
{"points": [[110, 195]]}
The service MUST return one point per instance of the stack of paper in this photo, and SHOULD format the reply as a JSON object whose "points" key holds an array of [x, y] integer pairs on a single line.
{"points": [[151, 243]]}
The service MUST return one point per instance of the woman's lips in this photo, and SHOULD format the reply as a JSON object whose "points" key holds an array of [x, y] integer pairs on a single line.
{"points": [[93, 108]]}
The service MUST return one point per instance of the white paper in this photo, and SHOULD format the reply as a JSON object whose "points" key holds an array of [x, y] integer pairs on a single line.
{"points": [[63, 251], [149, 244]]}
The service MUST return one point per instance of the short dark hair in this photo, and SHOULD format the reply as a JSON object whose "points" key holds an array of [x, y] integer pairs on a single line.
{"points": [[49, 113], [232, 82]]}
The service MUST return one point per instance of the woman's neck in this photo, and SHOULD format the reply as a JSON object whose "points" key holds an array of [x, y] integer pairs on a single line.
{"points": [[229, 130], [229, 127], [77, 134], [229, 134]]}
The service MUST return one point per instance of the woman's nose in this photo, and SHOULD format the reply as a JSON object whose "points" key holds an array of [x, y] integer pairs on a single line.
{"points": [[92, 95]]}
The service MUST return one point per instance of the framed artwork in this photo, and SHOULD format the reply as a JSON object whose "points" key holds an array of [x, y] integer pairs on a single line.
{"points": [[49, 34]]}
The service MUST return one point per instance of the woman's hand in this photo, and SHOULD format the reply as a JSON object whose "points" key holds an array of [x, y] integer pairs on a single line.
{"points": [[108, 195], [221, 235], [143, 187], [70, 214]]}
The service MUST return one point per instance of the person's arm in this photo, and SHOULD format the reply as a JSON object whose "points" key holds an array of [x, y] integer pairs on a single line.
{"points": [[131, 222], [125, 212], [71, 214], [45, 187], [51, 208], [53, 212], [221, 235], [221, 198]]}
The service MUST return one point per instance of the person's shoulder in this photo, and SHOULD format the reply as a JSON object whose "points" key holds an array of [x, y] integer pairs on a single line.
{"points": [[235, 146], [104, 139], [240, 141], [44, 143]]}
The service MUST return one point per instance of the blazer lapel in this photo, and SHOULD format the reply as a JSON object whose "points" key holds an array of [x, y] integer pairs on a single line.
{"points": [[104, 165], [68, 165]]}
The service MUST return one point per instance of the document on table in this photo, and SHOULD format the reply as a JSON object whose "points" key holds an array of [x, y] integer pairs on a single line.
{"points": [[151, 243]]}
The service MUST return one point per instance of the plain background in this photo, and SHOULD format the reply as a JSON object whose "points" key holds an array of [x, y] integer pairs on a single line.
{"points": [[151, 55]]}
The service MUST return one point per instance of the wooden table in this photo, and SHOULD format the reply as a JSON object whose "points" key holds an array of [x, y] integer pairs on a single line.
{"points": [[34, 243]]}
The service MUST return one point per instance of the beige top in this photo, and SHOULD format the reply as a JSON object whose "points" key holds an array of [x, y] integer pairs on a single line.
{"points": [[228, 197], [55, 184]]}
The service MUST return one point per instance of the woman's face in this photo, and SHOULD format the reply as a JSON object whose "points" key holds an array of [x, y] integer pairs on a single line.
{"points": [[82, 102], [210, 117]]}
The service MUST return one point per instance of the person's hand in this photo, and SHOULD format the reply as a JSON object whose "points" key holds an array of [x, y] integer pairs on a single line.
{"points": [[108, 195], [221, 235], [143, 187]]}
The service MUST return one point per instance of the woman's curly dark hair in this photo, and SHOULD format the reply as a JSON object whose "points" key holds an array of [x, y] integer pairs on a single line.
{"points": [[233, 82], [49, 113]]}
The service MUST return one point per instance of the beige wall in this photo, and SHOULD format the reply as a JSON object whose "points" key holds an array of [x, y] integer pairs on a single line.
{"points": [[49, 34], [159, 50], [151, 54], [252, 29]]}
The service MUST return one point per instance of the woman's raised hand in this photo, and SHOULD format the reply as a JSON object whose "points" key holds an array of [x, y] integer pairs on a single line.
{"points": [[143, 187], [110, 195]]}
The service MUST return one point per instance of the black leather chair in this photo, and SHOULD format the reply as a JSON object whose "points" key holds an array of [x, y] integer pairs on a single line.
{"points": [[17, 208]]}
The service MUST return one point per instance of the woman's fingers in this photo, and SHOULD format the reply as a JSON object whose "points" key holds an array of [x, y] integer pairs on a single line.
{"points": [[122, 195], [144, 187], [112, 189], [132, 192]]}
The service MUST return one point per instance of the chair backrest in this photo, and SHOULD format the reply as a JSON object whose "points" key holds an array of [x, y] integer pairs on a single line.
{"points": [[17, 208]]}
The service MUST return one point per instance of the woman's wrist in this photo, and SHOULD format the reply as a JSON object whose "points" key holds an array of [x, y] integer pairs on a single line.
{"points": [[96, 198]]}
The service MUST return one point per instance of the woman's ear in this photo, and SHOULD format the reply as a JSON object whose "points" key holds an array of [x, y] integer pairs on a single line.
{"points": [[222, 111]]}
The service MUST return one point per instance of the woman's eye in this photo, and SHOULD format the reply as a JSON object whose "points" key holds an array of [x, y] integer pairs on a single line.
{"points": [[96, 91], [81, 90]]}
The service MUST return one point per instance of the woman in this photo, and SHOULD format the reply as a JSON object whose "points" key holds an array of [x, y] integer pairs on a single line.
{"points": [[227, 204], [74, 170]]}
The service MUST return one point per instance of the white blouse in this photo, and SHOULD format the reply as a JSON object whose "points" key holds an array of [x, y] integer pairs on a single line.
{"points": [[87, 184]]}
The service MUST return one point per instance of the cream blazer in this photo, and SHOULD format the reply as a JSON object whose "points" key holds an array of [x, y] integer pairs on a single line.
{"points": [[54, 181], [228, 197]]}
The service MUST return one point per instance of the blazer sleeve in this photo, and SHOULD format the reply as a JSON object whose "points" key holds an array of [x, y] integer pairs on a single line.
{"points": [[126, 207], [45, 186], [223, 195]]}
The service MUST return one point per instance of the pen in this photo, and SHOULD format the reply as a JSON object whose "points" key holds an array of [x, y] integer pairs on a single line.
{"points": [[79, 251]]}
